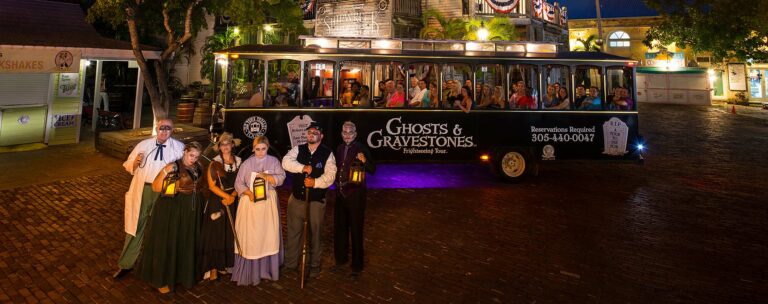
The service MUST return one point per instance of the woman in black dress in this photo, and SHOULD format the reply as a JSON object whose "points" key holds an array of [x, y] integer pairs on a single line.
{"points": [[168, 256], [217, 237]]}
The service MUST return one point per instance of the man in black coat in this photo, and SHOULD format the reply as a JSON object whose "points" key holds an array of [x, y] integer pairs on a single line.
{"points": [[349, 211]]}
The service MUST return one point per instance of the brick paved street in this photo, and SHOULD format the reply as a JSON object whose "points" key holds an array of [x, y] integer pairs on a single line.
{"points": [[688, 226]]}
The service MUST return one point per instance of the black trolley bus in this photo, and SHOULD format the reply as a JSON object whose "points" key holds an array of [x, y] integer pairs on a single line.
{"points": [[515, 122]]}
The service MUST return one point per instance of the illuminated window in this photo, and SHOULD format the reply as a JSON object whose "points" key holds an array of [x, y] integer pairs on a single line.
{"points": [[618, 39]]}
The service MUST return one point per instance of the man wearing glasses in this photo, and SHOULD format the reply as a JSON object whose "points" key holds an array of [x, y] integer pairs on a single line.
{"points": [[313, 168], [144, 163], [349, 210]]}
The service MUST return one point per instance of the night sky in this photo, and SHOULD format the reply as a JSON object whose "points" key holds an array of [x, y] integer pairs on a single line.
{"points": [[585, 9]]}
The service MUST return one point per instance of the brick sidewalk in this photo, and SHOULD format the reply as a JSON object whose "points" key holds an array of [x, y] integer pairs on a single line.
{"points": [[688, 226]]}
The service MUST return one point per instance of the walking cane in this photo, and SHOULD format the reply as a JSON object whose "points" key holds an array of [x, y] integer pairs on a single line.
{"points": [[305, 235], [231, 223]]}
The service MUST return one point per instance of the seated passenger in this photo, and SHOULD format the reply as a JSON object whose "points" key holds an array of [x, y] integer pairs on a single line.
{"points": [[564, 103], [621, 101], [452, 94], [593, 101], [430, 99], [364, 97], [397, 100], [466, 100], [497, 100], [346, 96], [515, 93], [525, 101], [414, 89], [581, 94], [550, 99], [484, 98], [418, 97]]}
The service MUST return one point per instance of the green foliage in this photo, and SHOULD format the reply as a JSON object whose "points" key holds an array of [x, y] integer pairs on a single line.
{"points": [[449, 29], [499, 27], [214, 43], [587, 45], [725, 28], [149, 15]]}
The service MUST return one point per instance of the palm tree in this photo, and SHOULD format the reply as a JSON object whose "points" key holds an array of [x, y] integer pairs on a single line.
{"points": [[587, 45], [214, 43], [450, 29], [499, 28]]}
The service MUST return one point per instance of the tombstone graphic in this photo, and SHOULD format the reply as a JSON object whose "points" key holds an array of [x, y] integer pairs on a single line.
{"points": [[297, 129], [615, 134]]}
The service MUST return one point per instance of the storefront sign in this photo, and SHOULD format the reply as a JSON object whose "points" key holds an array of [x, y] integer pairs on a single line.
{"points": [[27, 60], [68, 83], [64, 120], [737, 77], [665, 59], [350, 18]]}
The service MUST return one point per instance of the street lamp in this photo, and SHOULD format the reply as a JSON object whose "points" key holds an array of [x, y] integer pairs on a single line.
{"points": [[482, 33]]}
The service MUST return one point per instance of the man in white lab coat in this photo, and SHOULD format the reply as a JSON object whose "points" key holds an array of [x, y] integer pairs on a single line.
{"points": [[144, 163]]}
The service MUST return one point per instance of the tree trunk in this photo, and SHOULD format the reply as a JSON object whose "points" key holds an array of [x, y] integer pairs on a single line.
{"points": [[157, 83], [150, 81]]}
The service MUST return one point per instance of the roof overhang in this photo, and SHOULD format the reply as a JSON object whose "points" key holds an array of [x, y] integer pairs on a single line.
{"points": [[94, 53]]}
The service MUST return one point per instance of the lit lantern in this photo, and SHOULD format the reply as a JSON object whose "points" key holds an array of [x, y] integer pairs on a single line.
{"points": [[357, 173], [170, 184], [259, 189]]}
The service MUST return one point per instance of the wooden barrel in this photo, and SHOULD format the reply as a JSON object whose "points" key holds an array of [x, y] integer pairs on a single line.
{"points": [[202, 117], [184, 112]]}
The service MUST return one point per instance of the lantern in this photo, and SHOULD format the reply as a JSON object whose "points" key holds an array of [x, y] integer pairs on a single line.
{"points": [[259, 189], [356, 173], [170, 184]]}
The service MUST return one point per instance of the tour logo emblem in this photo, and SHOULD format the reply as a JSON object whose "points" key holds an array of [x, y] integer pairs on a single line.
{"points": [[254, 126], [64, 60], [548, 153]]}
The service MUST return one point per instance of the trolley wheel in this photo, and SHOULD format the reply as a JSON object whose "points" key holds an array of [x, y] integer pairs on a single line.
{"points": [[514, 165]]}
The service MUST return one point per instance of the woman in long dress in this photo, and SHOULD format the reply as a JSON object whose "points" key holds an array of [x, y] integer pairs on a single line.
{"points": [[216, 236], [258, 223], [168, 256]]}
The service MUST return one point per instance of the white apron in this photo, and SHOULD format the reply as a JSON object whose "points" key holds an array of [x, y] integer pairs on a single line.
{"points": [[258, 225]]}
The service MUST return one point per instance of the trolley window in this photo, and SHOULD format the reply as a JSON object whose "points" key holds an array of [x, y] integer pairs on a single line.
{"points": [[319, 83], [556, 79], [523, 81], [282, 83]]}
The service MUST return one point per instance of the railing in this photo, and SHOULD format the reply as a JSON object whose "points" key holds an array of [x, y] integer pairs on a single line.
{"points": [[407, 8]]}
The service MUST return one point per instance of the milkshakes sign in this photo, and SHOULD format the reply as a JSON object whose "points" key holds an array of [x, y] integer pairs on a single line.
{"points": [[420, 138], [25, 60]]}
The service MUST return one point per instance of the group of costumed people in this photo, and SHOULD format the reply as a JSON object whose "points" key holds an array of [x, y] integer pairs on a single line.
{"points": [[214, 223]]}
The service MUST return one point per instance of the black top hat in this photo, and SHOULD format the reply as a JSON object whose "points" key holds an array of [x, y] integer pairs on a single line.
{"points": [[315, 125]]}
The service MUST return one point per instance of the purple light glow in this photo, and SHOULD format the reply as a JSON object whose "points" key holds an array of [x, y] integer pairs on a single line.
{"points": [[421, 176], [415, 176]]}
